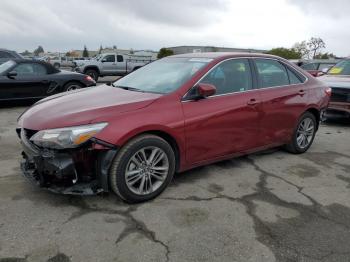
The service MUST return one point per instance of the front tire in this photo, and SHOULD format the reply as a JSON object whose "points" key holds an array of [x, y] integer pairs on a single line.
{"points": [[303, 135], [93, 73], [142, 169], [57, 65]]}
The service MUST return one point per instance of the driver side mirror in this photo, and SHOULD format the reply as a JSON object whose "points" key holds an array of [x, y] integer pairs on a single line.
{"points": [[205, 90], [12, 74], [104, 60]]}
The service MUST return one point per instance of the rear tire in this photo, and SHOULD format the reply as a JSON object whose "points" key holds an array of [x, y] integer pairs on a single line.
{"points": [[93, 73], [142, 169], [72, 86], [303, 135]]}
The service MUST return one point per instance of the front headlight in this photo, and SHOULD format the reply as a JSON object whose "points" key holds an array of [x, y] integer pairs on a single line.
{"points": [[67, 137]]}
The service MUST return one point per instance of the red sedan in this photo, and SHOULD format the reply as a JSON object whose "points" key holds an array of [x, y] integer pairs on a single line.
{"points": [[172, 115]]}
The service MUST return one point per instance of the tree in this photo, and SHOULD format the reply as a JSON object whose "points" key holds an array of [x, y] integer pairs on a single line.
{"points": [[310, 49], [163, 52], [302, 49], [287, 53], [85, 52], [26, 53], [131, 51], [39, 50], [100, 50], [325, 56], [114, 47], [315, 44]]}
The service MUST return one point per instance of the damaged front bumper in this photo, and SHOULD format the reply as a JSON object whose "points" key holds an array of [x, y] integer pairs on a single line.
{"points": [[81, 171], [339, 104]]}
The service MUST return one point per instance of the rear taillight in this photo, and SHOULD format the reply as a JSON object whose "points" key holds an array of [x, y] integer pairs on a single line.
{"points": [[89, 78], [328, 91]]}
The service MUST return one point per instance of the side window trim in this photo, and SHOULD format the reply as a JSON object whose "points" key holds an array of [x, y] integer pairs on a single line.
{"points": [[253, 87], [297, 74]]}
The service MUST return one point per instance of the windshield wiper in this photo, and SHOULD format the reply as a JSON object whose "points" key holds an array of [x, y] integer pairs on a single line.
{"points": [[129, 88]]}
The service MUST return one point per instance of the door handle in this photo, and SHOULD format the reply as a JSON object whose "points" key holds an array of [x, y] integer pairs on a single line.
{"points": [[252, 102], [301, 92]]}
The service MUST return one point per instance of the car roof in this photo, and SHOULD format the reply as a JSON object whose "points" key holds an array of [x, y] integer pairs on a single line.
{"points": [[50, 68], [218, 55]]}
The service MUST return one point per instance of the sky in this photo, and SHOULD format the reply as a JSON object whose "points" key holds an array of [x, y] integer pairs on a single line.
{"points": [[152, 24]]}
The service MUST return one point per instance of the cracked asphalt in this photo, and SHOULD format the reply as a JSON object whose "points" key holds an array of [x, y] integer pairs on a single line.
{"points": [[270, 206]]}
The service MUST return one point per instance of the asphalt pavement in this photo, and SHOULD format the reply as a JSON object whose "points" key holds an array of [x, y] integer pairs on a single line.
{"points": [[271, 206]]}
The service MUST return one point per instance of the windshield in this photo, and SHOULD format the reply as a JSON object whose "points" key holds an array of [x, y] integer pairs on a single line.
{"points": [[5, 66], [341, 68], [162, 76], [98, 57]]}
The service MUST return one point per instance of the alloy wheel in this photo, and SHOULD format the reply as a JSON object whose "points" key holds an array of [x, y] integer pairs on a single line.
{"points": [[72, 87], [305, 132], [147, 170]]}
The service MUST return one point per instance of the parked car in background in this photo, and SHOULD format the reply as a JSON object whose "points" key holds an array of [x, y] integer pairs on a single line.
{"points": [[169, 116], [111, 64], [318, 67], [6, 55], [338, 78], [32, 79], [61, 61]]}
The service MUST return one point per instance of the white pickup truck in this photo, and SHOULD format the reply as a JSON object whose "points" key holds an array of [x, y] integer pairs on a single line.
{"points": [[111, 64]]}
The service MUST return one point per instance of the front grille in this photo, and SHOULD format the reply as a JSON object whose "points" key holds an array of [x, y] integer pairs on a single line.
{"points": [[340, 94]]}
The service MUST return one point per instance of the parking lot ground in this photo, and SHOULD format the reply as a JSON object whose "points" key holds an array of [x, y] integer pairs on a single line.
{"points": [[271, 206]]}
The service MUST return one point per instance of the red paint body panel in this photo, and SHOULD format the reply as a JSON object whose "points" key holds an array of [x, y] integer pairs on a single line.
{"points": [[221, 125], [205, 131]]}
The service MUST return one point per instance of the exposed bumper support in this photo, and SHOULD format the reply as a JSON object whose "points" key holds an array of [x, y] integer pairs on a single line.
{"points": [[79, 172]]}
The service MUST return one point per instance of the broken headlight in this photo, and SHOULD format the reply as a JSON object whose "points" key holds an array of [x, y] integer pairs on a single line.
{"points": [[67, 137]]}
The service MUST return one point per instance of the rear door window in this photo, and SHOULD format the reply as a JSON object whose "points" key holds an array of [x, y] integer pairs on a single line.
{"points": [[120, 58], [293, 79], [271, 73]]}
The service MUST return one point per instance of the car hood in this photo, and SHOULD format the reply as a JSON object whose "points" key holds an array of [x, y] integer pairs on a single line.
{"points": [[336, 80], [83, 107]]}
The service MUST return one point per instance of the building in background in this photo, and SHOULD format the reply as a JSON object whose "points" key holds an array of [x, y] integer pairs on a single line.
{"points": [[201, 49]]}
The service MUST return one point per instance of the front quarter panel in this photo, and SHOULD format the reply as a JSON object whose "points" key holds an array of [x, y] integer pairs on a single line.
{"points": [[164, 114]]}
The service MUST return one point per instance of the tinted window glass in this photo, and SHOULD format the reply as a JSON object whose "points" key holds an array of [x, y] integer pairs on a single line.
{"points": [[325, 66], [30, 69], [293, 79], [230, 76], [6, 66], [271, 73], [311, 66], [341, 68], [120, 58], [5, 55], [110, 58]]}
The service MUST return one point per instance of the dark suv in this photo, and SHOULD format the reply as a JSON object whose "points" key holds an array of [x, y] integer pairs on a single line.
{"points": [[6, 55]]}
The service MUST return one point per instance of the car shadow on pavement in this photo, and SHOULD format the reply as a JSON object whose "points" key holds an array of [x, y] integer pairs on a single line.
{"points": [[10, 104]]}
